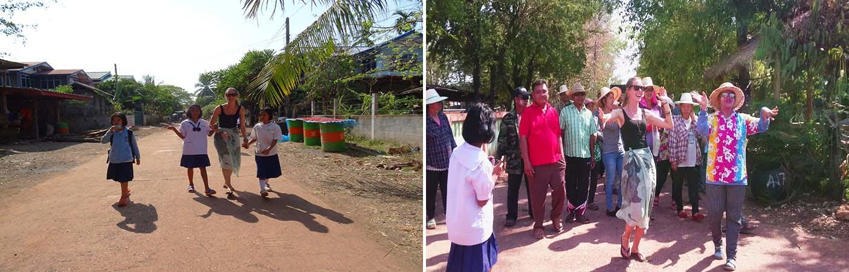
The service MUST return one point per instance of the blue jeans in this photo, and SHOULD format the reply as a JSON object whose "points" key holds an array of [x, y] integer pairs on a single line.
{"points": [[613, 173]]}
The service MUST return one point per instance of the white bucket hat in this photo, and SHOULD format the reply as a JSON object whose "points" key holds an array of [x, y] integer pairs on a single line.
{"points": [[432, 97], [687, 98], [563, 89]]}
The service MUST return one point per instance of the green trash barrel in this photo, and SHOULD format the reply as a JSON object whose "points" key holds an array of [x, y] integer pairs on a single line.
{"points": [[296, 130], [332, 137], [312, 134]]}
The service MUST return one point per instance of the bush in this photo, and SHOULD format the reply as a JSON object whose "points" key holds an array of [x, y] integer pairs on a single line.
{"points": [[803, 149]]}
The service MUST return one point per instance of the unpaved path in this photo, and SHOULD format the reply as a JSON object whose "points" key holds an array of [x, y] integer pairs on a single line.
{"points": [[671, 244], [68, 223]]}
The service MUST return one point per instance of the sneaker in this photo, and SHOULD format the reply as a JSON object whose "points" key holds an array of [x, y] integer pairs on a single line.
{"points": [[569, 218], [191, 188], [431, 224], [268, 187], [747, 229], [263, 193], [717, 254], [698, 217], [510, 223], [683, 214], [730, 265]]}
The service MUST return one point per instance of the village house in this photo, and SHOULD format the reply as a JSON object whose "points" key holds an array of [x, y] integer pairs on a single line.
{"points": [[32, 108]]}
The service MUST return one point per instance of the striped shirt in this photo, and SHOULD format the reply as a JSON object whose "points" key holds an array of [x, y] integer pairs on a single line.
{"points": [[577, 128], [727, 138]]}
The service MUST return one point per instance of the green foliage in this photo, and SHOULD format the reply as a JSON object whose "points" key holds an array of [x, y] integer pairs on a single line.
{"points": [[66, 89], [157, 99], [342, 20], [503, 44]]}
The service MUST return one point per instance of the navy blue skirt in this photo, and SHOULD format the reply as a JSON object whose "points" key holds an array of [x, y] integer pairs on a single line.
{"points": [[194, 161], [476, 258], [267, 167], [120, 172]]}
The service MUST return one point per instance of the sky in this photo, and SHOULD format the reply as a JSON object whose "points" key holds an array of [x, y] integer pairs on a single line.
{"points": [[174, 41], [625, 63]]}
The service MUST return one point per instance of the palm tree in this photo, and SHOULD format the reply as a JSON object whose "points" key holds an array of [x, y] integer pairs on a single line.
{"points": [[342, 20], [406, 21], [206, 82]]}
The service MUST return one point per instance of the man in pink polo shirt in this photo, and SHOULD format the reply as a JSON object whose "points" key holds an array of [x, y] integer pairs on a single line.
{"points": [[542, 153]]}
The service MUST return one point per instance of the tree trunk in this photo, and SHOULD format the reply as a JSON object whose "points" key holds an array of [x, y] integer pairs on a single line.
{"points": [[776, 93], [809, 103]]}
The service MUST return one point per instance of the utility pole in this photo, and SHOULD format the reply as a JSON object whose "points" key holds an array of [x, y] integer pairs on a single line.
{"points": [[285, 99]]}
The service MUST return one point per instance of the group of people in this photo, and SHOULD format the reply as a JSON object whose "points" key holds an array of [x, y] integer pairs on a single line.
{"points": [[226, 126], [637, 137]]}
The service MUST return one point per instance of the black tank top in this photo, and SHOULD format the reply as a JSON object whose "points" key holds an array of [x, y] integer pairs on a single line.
{"points": [[634, 132], [229, 121]]}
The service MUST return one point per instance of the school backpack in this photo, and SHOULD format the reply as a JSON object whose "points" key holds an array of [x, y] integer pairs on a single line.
{"points": [[129, 141]]}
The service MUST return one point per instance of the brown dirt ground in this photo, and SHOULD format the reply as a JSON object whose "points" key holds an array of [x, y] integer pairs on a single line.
{"points": [[353, 183], [389, 200]]}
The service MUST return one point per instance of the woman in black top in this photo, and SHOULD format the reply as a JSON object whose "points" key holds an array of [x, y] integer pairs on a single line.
{"points": [[227, 119], [638, 173]]}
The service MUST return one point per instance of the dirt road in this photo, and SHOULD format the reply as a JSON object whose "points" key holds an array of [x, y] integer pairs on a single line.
{"points": [[68, 223], [671, 244]]}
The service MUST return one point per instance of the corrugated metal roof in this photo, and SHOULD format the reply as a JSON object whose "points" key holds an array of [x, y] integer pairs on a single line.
{"points": [[33, 92], [60, 72], [99, 75]]}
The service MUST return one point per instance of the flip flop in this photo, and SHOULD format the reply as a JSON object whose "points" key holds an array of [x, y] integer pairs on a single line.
{"points": [[638, 257], [539, 234], [625, 252]]}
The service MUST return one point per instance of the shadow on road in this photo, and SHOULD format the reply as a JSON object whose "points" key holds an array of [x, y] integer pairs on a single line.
{"points": [[138, 218], [284, 207]]}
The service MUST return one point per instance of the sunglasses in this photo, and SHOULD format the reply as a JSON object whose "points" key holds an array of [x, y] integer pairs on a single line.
{"points": [[231, 94], [580, 94], [639, 88], [728, 95]]}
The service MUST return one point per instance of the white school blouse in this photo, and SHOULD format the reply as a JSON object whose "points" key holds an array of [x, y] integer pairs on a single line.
{"points": [[265, 135], [194, 142], [469, 180]]}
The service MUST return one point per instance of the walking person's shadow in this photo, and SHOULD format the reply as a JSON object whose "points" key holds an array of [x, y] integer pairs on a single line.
{"points": [[285, 207], [138, 218]]}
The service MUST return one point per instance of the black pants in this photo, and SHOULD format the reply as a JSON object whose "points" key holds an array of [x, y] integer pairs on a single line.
{"points": [[514, 181], [577, 184], [663, 169], [435, 179], [596, 174], [691, 175]]}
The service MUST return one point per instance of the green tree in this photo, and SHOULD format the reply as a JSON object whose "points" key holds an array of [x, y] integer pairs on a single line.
{"points": [[342, 19], [504, 44]]}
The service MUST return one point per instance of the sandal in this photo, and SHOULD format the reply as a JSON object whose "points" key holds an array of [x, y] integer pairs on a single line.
{"points": [[124, 200], [539, 234], [638, 257], [625, 252], [263, 193], [210, 192], [191, 188]]}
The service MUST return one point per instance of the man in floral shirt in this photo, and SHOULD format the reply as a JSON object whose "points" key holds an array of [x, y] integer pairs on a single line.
{"points": [[727, 133]]}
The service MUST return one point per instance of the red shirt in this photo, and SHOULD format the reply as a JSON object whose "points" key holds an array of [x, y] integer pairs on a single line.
{"points": [[543, 132]]}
